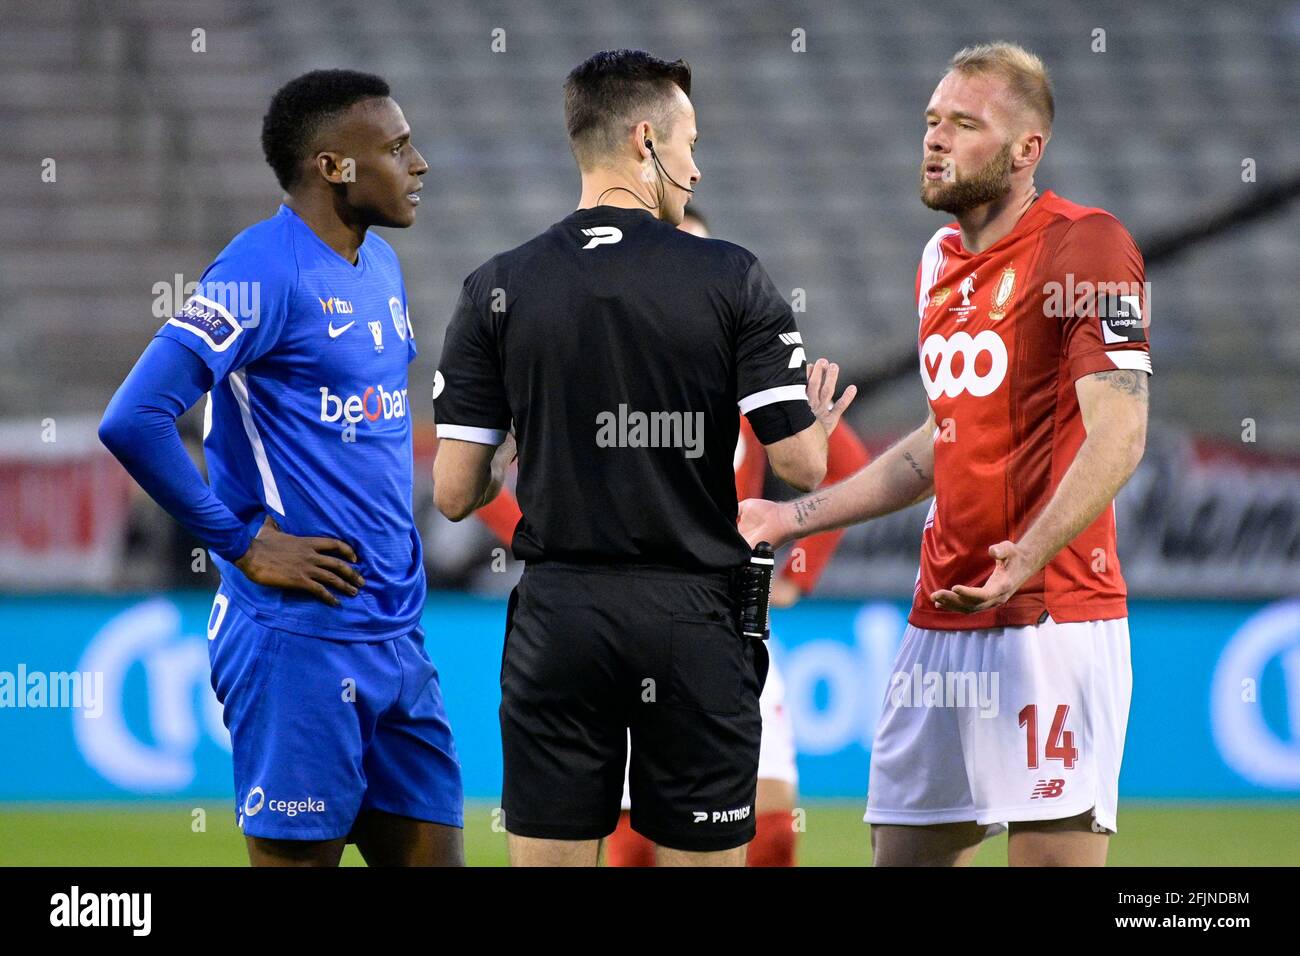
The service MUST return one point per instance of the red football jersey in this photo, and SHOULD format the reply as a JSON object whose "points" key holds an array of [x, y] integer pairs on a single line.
{"points": [[1004, 335]]}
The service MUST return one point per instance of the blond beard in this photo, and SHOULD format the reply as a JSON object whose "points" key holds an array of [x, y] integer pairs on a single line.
{"points": [[990, 182]]}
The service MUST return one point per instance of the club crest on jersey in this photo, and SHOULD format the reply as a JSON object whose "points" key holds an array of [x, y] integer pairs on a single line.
{"points": [[1002, 294], [399, 316], [209, 320], [377, 333]]}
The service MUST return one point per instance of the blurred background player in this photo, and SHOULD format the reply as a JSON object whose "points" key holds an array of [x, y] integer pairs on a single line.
{"points": [[334, 709], [1038, 413]]}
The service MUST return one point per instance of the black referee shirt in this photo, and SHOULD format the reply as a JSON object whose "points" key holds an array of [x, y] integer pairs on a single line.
{"points": [[621, 347]]}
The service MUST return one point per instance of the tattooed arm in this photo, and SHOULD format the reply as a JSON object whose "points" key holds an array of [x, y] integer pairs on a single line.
{"points": [[899, 477], [1114, 408]]}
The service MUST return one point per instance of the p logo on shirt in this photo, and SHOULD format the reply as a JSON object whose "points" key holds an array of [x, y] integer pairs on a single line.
{"points": [[602, 236]]}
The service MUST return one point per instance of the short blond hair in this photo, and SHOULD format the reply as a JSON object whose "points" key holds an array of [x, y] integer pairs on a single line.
{"points": [[1025, 74]]}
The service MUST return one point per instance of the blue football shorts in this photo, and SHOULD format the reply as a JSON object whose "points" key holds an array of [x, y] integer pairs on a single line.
{"points": [[321, 730]]}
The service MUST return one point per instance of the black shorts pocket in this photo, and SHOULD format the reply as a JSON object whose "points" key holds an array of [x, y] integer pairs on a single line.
{"points": [[708, 658], [510, 621]]}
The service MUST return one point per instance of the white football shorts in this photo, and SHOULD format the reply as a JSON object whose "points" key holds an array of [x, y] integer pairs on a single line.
{"points": [[1002, 725]]}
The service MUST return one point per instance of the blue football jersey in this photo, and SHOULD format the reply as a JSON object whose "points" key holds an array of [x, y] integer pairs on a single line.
{"points": [[308, 420]]}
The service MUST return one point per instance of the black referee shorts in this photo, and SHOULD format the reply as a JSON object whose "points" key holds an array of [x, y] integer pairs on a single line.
{"points": [[595, 651]]}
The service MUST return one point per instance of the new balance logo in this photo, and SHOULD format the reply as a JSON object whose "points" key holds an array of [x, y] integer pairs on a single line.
{"points": [[602, 236], [1048, 789], [798, 357]]}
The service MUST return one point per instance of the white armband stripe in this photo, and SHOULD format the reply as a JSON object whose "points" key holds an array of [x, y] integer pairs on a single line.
{"points": [[769, 396], [480, 436], [1132, 359]]}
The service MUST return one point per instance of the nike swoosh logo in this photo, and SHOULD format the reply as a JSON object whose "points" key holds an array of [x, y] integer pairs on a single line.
{"points": [[335, 333]]}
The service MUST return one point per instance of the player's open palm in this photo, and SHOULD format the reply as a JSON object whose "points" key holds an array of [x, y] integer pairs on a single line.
{"points": [[761, 520], [280, 560], [822, 377], [1012, 567]]}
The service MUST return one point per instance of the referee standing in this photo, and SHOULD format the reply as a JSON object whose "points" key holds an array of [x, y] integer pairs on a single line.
{"points": [[620, 347]]}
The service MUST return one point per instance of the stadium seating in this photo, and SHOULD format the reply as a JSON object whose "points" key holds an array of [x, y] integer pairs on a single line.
{"points": [[809, 159]]}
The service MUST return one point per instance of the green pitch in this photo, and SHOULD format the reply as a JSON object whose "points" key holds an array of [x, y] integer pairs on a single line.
{"points": [[169, 834]]}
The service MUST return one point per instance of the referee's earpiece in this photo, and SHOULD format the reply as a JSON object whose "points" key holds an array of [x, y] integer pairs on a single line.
{"points": [[660, 166]]}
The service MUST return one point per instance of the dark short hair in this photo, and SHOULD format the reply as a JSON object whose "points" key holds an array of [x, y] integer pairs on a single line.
{"points": [[299, 109], [604, 94]]}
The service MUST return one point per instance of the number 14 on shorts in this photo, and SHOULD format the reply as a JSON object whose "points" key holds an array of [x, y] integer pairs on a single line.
{"points": [[1060, 742]]}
